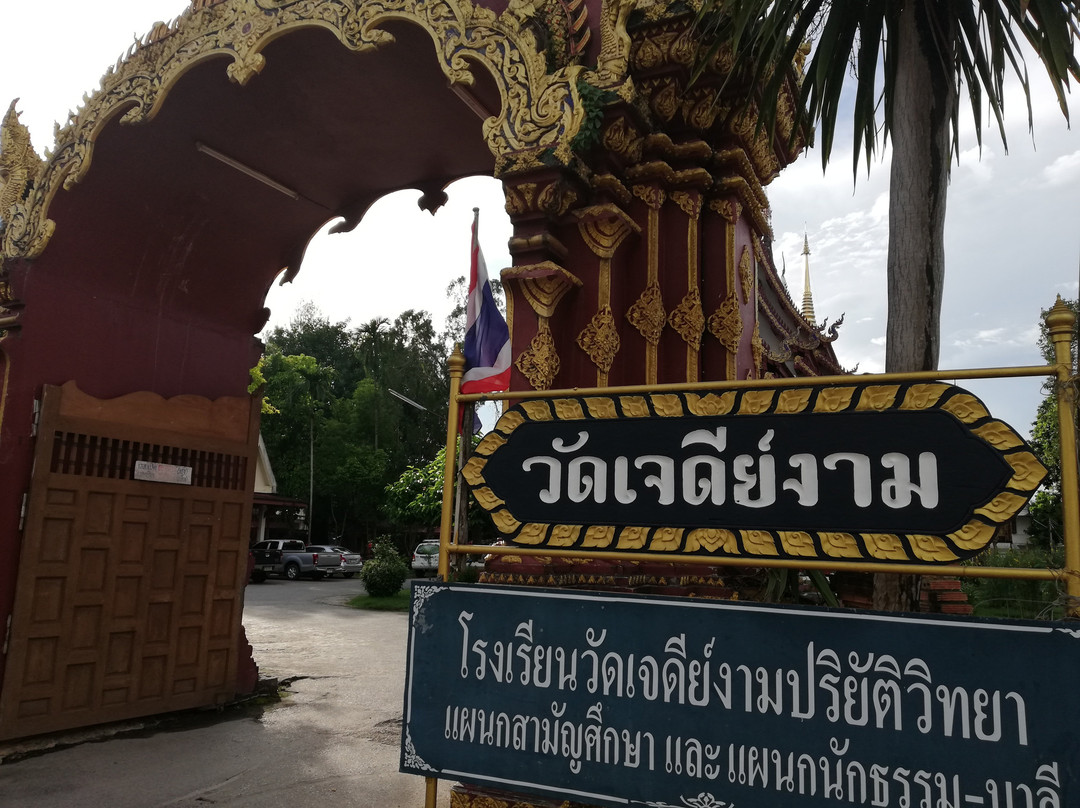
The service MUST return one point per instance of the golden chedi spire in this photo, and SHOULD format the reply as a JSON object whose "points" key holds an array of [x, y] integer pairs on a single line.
{"points": [[807, 298]]}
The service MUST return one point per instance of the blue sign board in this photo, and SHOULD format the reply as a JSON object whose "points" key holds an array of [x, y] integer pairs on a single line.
{"points": [[630, 700]]}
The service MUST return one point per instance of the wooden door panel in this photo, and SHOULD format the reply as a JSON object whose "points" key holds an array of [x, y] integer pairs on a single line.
{"points": [[129, 595]]}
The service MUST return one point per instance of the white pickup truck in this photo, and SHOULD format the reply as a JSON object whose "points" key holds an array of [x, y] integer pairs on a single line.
{"points": [[289, 558]]}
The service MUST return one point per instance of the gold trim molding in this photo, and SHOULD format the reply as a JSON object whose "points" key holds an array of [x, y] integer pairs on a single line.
{"points": [[543, 285]]}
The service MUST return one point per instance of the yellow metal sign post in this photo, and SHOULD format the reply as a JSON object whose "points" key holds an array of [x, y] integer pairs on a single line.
{"points": [[1061, 323]]}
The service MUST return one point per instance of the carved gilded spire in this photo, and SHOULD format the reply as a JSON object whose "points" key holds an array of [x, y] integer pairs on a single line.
{"points": [[807, 298]]}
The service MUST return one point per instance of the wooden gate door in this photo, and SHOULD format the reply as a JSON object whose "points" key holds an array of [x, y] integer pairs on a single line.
{"points": [[130, 592]]}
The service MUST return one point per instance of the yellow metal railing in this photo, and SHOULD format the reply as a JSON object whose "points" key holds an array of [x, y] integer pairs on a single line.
{"points": [[1060, 321]]}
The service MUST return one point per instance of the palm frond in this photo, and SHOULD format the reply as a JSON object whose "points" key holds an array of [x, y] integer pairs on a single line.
{"points": [[978, 43]]}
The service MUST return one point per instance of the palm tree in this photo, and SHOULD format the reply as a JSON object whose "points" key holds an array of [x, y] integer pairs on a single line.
{"points": [[909, 62]]}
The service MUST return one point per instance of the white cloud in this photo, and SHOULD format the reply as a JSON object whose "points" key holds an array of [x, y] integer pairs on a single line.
{"points": [[1065, 170]]}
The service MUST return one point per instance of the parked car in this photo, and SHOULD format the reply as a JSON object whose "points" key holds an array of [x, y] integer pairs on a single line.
{"points": [[283, 557], [348, 564], [425, 558]]}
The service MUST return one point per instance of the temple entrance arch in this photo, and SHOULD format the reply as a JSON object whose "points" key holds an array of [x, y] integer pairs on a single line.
{"points": [[137, 255]]}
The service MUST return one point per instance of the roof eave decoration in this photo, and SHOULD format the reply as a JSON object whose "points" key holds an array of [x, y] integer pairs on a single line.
{"points": [[540, 123]]}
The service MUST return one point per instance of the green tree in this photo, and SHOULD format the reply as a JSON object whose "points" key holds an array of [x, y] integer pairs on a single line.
{"points": [[1045, 508], [415, 499], [297, 390], [332, 399], [910, 62], [311, 333]]}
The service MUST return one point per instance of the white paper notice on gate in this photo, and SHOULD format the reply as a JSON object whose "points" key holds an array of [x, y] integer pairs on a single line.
{"points": [[162, 473]]}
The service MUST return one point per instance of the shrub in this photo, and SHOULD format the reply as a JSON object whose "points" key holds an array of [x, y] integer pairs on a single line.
{"points": [[1006, 597], [384, 575]]}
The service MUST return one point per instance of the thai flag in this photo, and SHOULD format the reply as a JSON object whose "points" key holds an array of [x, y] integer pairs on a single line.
{"points": [[487, 339]]}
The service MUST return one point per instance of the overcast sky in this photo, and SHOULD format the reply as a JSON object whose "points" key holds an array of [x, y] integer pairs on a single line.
{"points": [[1012, 231]]}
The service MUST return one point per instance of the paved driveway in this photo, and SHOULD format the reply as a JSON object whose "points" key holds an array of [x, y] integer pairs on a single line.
{"points": [[333, 740]]}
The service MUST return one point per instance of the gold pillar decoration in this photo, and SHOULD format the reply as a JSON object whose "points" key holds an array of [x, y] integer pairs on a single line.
{"points": [[542, 285], [648, 314], [757, 346], [746, 274], [539, 363], [726, 330], [726, 324], [688, 319], [603, 228]]}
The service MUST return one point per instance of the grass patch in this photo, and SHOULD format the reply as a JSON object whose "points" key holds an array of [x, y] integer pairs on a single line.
{"points": [[1014, 598], [395, 603]]}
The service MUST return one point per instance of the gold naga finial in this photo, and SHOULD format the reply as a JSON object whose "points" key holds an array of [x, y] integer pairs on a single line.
{"points": [[19, 163]]}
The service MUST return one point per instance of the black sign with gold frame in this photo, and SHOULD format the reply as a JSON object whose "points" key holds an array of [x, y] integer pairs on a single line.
{"points": [[874, 472]]}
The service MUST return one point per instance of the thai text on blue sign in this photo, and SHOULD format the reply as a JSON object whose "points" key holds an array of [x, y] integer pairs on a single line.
{"points": [[702, 704]]}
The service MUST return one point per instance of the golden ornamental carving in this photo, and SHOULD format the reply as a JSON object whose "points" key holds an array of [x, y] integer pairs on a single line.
{"points": [[604, 227], [798, 544], [667, 405], [20, 174], [539, 363], [520, 198], [711, 540], [540, 112], [622, 138], [967, 408], [556, 198], [931, 549], [651, 195], [757, 144], [634, 406], [710, 403], [663, 45], [666, 539], [922, 396], [568, 409], [689, 203], [726, 324], [648, 315], [613, 63], [663, 97], [542, 285], [793, 401], [601, 407], [878, 398], [757, 347], [688, 320], [699, 108], [608, 185], [746, 274], [600, 339], [632, 538], [19, 163], [1028, 471], [973, 536]]}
